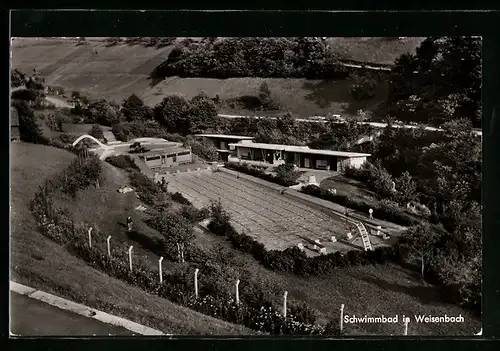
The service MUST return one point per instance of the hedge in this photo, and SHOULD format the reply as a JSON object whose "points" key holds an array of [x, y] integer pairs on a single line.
{"points": [[382, 210], [58, 225], [258, 172]]}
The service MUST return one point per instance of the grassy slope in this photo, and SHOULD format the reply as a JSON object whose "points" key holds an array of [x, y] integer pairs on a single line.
{"points": [[374, 49], [38, 262], [107, 74]]}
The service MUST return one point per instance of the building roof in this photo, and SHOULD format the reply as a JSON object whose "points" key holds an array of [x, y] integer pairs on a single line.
{"points": [[300, 149], [14, 117], [158, 152], [225, 136]]}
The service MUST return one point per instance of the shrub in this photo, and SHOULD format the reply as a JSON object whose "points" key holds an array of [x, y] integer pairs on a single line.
{"points": [[123, 161], [287, 174], [363, 87], [202, 149], [258, 172], [96, 132]]}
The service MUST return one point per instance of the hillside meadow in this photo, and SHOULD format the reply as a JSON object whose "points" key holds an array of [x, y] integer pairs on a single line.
{"points": [[114, 72]]}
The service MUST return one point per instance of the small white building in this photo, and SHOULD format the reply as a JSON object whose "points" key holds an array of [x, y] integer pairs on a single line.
{"points": [[301, 156]]}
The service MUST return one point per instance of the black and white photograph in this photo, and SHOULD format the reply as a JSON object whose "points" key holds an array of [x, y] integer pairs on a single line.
{"points": [[245, 186]]}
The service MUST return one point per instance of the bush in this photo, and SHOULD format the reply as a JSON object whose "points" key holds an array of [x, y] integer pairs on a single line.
{"points": [[287, 174], [123, 161], [287, 180], [202, 149], [28, 128], [96, 132], [363, 87]]}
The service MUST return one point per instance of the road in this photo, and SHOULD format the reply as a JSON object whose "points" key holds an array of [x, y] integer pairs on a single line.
{"points": [[30, 317], [58, 102], [373, 124]]}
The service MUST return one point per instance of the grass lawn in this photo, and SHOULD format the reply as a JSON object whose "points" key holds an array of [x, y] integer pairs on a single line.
{"points": [[374, 49], [40, 263], [350, 187]]}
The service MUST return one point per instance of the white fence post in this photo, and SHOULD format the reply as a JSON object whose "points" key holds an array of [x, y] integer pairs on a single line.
{"points": [[130, 257], [196, 282], [284, 303], [237, 292], [90, 237], [109, 247], [406, 325], [160, 270], [341, 317]]}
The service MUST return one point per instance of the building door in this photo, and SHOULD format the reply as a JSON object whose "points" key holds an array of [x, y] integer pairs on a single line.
{"points": [[307, 162], [269, 156]]}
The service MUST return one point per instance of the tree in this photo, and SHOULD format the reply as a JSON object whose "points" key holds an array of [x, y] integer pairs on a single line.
{"points": [[176, 230], [219, 217], [264, 94], [55, 121], [17, 78], [172, 112], [102, 112], [28, 128], [286, 124], [287, 174], [133, 108], [406, 188], [444, 79], [420, 242], [363, 87], [96, 132], [202, 114]]}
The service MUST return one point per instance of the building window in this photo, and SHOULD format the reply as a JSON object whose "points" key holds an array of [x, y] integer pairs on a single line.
{"points": [[153, 158], [184, 153]]}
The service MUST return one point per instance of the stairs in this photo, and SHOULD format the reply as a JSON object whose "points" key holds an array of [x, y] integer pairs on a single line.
{"points": [[364, 236]]}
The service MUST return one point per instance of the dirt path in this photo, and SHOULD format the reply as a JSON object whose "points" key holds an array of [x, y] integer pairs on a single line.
{"points": [[58, 102]]}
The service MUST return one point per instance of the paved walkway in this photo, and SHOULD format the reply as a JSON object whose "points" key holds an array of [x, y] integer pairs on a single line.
{"points": [[37, 313], [30, 317]]}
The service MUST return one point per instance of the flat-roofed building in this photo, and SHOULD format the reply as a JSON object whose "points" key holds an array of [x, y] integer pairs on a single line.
{"points": [[166, 156], [301, 156], [222, 141]]}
